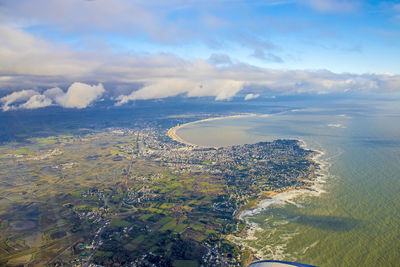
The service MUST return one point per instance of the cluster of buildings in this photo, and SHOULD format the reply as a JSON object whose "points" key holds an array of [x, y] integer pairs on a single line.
{"points": [[263, 166]]}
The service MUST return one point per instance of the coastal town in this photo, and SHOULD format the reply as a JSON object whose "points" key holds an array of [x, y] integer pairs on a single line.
{"points": [[137, 197]]}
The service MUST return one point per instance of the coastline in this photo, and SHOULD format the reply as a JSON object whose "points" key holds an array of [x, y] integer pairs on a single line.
{"points": [[285, 195], [281, 197], [278, 197], [273, 197], [173, 135]]}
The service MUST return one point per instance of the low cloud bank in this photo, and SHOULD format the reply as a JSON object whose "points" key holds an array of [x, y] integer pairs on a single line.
{"points": [[78, 95], [220, 89], [222, 84], [257, 81], [152, 76]]}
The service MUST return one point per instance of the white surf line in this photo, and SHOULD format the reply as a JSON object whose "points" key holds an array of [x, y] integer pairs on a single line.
{"points": [[283, 198]]}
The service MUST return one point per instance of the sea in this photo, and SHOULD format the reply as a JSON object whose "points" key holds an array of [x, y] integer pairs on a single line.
{"points": [[352, 217]]}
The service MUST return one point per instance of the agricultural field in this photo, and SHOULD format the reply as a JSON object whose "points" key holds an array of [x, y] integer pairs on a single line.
{"points": [[120, 196]]}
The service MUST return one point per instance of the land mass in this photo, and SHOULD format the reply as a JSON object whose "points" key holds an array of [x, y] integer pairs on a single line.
{"points": [[135, 197]]}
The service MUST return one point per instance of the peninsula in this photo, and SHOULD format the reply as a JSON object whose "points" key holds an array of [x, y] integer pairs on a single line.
{"points": [[134, 196]]}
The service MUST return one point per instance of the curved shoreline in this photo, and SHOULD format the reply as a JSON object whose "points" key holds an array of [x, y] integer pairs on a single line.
{"points": [[174, 136], [285, 196], [279, 197], [275, 196]]}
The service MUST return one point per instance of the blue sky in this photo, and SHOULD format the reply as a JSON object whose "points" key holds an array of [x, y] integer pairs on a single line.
{"points": [[342, 36], [315, 46]]}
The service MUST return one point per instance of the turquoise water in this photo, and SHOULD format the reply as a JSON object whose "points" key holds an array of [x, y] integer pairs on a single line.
{"points": [[356, 220]]}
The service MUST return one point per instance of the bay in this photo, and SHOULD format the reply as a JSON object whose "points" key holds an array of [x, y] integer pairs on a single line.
{"points": [[355, 219]]}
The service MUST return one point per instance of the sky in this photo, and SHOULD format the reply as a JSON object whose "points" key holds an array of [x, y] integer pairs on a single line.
{"points": [[72, 53]]}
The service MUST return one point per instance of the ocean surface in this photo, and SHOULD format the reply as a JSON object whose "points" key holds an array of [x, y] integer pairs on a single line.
{"points": [[354, 218]]}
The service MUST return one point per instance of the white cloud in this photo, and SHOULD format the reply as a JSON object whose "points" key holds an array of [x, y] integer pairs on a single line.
{"points": [[77, 16], [21, 53], [336, 125], [160, 89], [36, 101], [227, 89], [220, 89], [251, 96], [156, 76], [10, 101], [53, 92], [388, 82], [80, 95]]}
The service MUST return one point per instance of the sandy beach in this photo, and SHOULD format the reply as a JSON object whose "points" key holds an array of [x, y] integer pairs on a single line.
{"points": [[280, 197], [286, 196], [173, 135], [283, 198]]}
